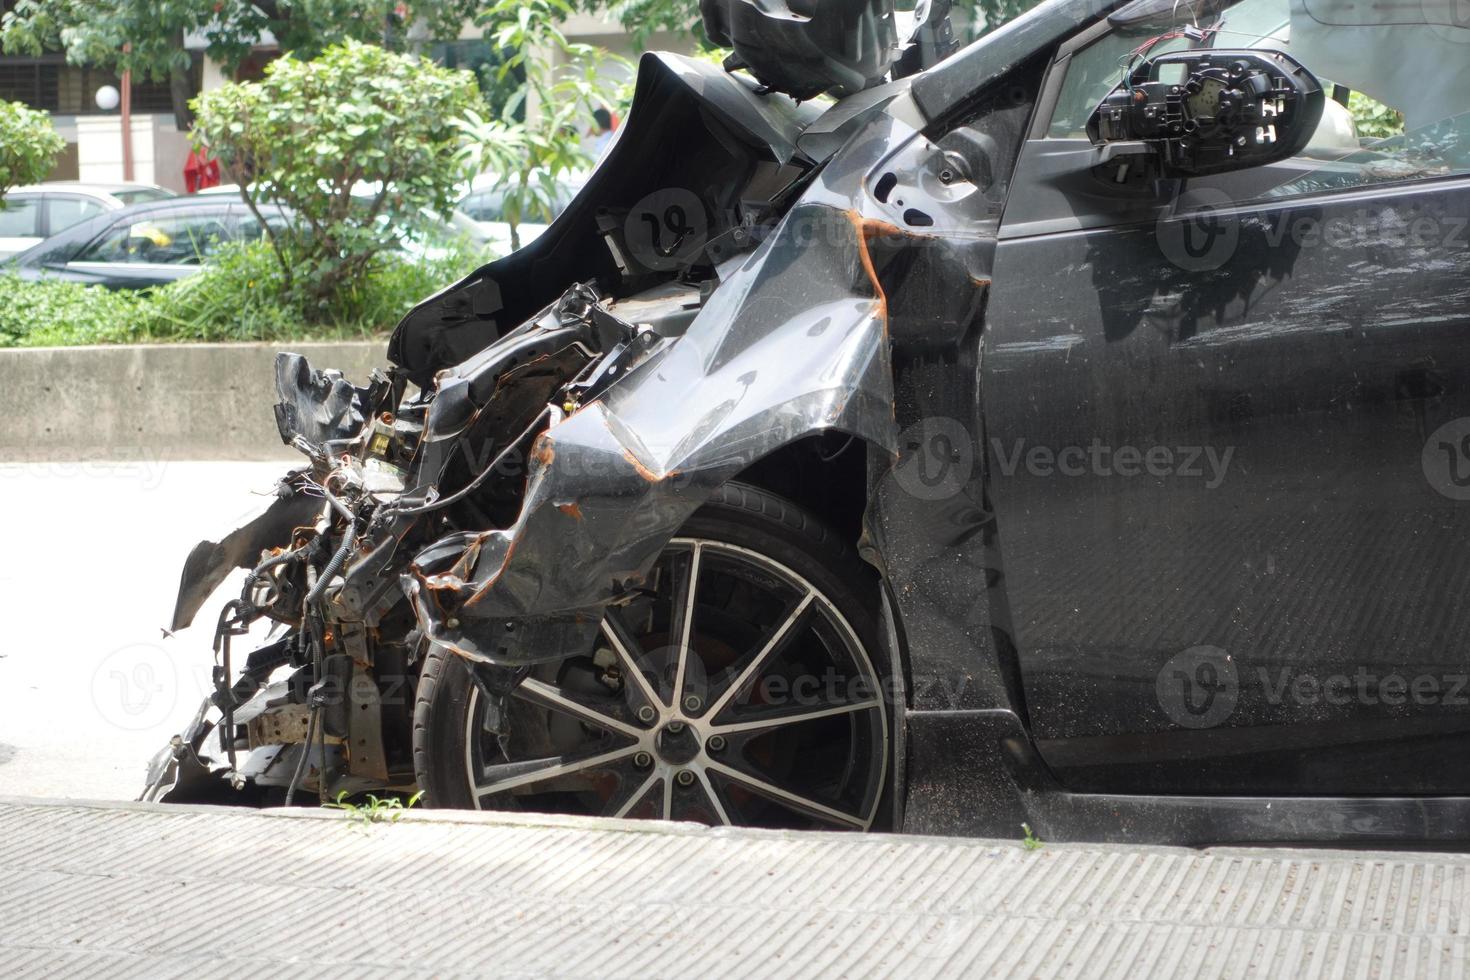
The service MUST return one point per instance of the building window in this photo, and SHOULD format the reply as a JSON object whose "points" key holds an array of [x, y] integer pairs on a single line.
{"points": [[49, 83]]}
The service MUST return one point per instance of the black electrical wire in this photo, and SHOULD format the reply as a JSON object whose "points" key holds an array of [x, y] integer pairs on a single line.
{"points": [[333, 566], [473, 484], [318, 588], [337, 504], [265, 566], [222, 633], [305, 751]]}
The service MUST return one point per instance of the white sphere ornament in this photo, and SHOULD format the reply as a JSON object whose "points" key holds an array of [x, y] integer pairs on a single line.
{"points": [[107, 98]]}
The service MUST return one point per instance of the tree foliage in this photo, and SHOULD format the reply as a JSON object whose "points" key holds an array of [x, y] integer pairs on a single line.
{"points": [[146, 37], [642, 18], [28, 145], [566, 82], [1373, 119], [358, 144]]}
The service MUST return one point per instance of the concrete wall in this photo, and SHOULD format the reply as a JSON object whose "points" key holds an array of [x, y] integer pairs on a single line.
{"points": [[177, 401], [159, 149]]}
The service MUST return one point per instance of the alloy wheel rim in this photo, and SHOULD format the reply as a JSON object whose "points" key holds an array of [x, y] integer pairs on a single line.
{"points": [[682, 751]]}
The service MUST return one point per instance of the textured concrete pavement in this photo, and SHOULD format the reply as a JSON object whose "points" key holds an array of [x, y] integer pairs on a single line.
{"points": [[132, 890], [89, 685]]}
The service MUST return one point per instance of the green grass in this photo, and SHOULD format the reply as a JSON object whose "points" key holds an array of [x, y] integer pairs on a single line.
{"points": [[375, 810]]}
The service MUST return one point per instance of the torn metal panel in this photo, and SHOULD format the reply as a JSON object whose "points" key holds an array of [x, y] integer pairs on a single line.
{"points": [[318, 406], [211, 562], [806, 48], [724, 126]]}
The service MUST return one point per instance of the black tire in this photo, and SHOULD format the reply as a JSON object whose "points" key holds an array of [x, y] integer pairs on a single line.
{"points": [[738, 523]]}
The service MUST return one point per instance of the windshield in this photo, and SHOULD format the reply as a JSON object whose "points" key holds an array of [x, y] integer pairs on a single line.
{"points": [[134, 195]]}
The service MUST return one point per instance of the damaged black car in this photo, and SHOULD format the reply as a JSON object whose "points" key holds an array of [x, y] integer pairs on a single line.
{"points": [[1071, 429]]}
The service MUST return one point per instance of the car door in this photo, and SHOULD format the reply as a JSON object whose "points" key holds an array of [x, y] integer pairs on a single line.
{"points": [[20, 223], [153, 248], [1228, 439]]}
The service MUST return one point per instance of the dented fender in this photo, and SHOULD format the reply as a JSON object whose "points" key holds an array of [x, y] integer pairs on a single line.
{"points": [[793, 343]]}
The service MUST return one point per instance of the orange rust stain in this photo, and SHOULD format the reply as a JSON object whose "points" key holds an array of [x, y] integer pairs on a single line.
{"points": [[868, 229], [452, 583], [572, 510], [485, 587], [643, 471], [542, 450]]}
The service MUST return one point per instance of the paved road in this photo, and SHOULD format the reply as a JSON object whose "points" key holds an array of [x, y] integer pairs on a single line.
{"points": [[125, 889], [89, 687]]}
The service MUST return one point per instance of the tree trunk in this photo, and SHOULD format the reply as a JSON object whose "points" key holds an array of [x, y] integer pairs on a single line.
{"points": [[180, 89]]}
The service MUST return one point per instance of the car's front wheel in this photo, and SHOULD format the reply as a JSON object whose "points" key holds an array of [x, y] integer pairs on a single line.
{"points": [[745, 687]]}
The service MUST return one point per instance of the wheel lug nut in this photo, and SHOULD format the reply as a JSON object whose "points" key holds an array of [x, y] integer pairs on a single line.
{"points": [[646, 714], [716, 743], [675, 727], [692, 703], [642, 760], [685, 777]]}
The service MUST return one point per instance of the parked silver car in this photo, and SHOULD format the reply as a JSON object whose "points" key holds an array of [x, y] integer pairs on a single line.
{"points": [[36, 212]]}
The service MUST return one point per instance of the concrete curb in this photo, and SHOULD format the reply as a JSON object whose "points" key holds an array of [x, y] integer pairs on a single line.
{"points": [[129, 889], [156, 401]]}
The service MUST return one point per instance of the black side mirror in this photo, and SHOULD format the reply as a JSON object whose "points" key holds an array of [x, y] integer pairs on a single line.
{"points": [[1190, 113]]}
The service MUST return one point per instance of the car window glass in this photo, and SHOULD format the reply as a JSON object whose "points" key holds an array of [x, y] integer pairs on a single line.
{"points": [[161, 240], [1092, 74], [487, 205], [1360, 139], [20, 217], [63, 212], [138, 195], [250, 229]]}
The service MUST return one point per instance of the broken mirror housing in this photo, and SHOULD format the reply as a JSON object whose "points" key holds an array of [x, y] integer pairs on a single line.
{"points": [[1191, 113]]}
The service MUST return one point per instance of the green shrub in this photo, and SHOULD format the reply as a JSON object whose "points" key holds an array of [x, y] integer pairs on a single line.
{"points": [[1373, 119], [28, 145], [356, 118], [240, 295], [62, 314]]}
